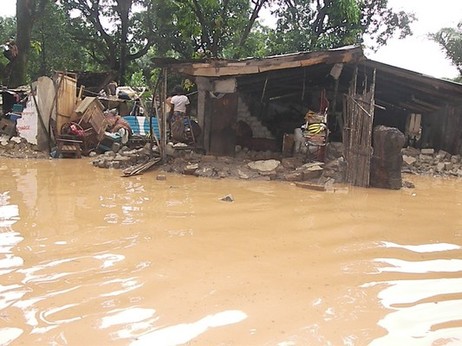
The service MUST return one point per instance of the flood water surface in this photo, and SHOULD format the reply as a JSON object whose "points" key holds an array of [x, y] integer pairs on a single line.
{"points": [[90, 258]]}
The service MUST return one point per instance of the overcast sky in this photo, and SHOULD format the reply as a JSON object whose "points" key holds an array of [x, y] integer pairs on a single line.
{"points": [[416, 53]]}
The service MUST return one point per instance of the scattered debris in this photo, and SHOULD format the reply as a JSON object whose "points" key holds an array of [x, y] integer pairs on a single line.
{"points": [[161, 177], [313, 175], [228, 198], [430, 162], [141, 167], [408, 185], [19, 148], [309, 186]]}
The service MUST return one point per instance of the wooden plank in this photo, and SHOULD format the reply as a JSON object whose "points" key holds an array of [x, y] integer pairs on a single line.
{"points": [[66, 100], [252, 66], [315, 187], [87, 102], [140, 168], [212, 71]]}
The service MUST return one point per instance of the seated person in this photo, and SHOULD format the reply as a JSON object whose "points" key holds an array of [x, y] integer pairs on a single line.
{"points": [[117, 124]]}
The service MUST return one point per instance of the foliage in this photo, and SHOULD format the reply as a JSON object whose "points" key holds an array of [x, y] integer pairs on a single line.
{"points": [[306, 25], [7, 31], [382, 23], [126, 35], [254, 46], [7, 28], [110, 31], [210, 25], [450, 39], [51, 52]]}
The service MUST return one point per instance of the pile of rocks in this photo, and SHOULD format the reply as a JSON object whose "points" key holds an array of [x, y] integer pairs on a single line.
{"points": [[121, 157], [431, 162], [248, 164], [17, 147], [288, 169], [254, 165]]}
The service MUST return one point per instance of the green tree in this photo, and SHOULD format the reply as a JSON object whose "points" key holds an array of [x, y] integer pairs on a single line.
{"points": [[305, 25], [27, 12], [48, 52], [7, 32], [51, 52], [125, 35], [113, 32], [212, 28], [450, 40]]}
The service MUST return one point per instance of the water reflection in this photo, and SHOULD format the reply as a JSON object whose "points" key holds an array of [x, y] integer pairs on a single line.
{"points": [[423, 311], [9, 239], [423, 248], [8, 335], [185, 332]]}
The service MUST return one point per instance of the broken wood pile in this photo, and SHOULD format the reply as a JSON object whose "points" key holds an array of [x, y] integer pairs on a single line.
{"points": [[140, 168]]}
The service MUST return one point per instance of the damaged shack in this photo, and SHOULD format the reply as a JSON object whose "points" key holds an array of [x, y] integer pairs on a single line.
{"points": [[272, 103]]}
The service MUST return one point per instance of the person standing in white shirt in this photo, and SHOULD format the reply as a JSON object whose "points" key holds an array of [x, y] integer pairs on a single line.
{"points": [[179, 102], [179, 110]]}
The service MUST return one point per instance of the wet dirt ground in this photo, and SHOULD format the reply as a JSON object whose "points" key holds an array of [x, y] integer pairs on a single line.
{"points": [[90, 258]]}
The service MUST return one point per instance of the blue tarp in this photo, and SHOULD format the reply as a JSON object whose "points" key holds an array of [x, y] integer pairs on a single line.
{"points": [[140, 125]]}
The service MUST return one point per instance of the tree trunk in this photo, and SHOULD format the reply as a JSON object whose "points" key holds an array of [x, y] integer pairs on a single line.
{"points": [[123, 7], [25, 10]]}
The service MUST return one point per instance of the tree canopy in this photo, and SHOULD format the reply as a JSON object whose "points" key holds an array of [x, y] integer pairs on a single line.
{"points": [[305, 25], [118, 35], [450, 40]]}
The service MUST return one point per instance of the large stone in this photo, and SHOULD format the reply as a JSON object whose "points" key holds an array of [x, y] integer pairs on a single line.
{"points": [[410, 151], [409, 160], [440, 167], [428, 151], [291, 162], [311, 171], [387, 159], [335, 169], [243, 173], [206, 172], [426, 158], [264, 165], [293, 176], [442, 155], [455, 158], [190, 169], [334, 150], [228, 198]]}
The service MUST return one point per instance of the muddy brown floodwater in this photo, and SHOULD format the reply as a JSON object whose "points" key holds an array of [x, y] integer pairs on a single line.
{"points": [[90, 258]]}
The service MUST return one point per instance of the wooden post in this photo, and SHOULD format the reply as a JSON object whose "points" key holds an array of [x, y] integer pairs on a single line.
{"points": [[163, 122]]}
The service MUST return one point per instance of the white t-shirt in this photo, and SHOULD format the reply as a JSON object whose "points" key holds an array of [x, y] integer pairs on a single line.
{"points": [[179, 103]]}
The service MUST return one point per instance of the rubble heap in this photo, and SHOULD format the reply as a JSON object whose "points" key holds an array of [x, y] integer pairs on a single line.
{"points": [[19, 148], [248, 164], [431, 162], [288, 169], [121, 157]]}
